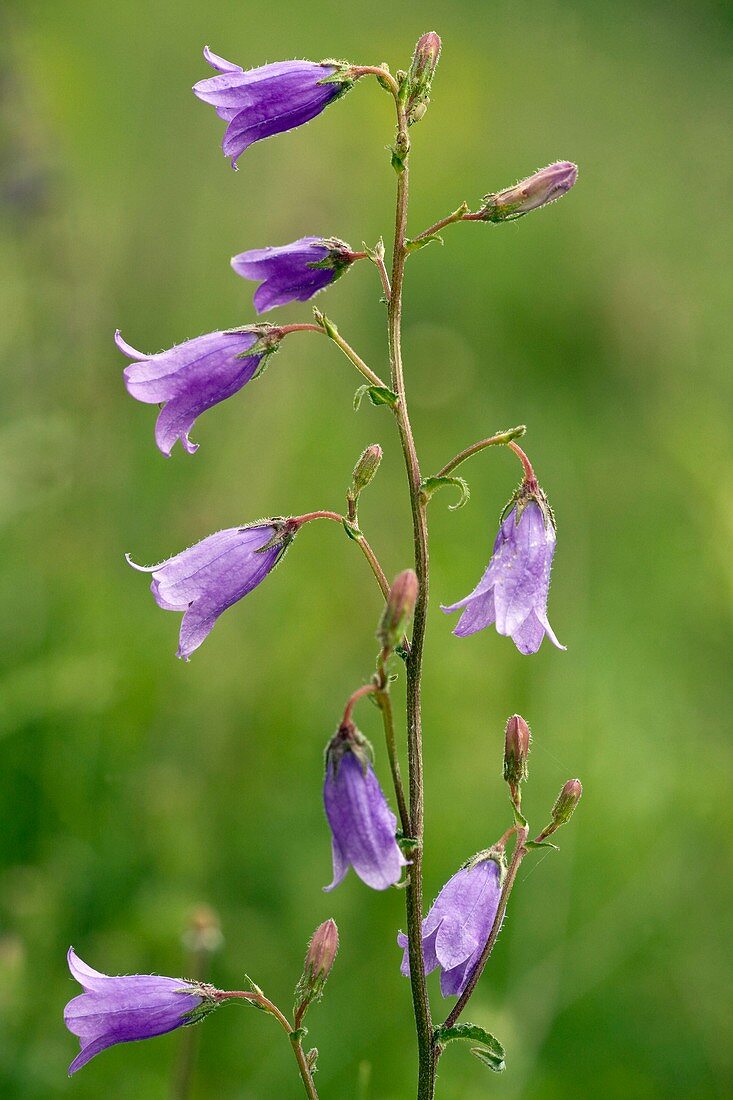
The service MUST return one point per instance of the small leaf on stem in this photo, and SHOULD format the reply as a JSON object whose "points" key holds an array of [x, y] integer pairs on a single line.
{"points": [[378, 395], [416, 245], [491, 1052], [431, 485]]}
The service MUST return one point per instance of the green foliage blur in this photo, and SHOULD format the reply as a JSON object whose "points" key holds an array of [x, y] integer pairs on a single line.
{"points": [[135, 788]]}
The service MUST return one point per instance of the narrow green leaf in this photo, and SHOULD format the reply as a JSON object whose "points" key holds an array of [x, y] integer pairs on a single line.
{"points": [[471, 1033], [431, 485], [496, 1065], [519, 818], [415, 246], [351, 530], [255, 989], [540, 844], [378, 395]]}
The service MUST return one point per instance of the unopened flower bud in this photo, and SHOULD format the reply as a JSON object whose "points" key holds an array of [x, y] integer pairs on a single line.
{"points": [[420, 77], [425, 58], [319, 961], [516, 750], [398, 609], [537, 190], [366, 468], [566, 802]]}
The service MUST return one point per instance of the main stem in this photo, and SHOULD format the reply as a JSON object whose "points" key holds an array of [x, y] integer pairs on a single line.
{"points": [[421, 1004]]}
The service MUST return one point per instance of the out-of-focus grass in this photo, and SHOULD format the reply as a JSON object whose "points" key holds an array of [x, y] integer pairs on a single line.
{"points": [[135, 787]]}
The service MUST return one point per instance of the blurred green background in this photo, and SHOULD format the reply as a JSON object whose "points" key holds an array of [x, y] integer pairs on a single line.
{"points": [[136, 788]]}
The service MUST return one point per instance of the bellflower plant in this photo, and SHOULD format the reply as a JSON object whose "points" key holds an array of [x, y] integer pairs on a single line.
{"points": [[261, 102], [459, 932], [458, 923], [194, 376], [121, 1010], [293, 272]]}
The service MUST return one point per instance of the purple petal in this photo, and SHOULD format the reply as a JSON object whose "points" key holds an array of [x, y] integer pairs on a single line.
{"points": [[479, 613], [126, 348], [452, 982], [362, 823], [521, 564], [189, 379], [340, 866], [210, 576], [220, 63], [528, 636], [96, 1046], [85, 976], [430, 959], [469, 913]]}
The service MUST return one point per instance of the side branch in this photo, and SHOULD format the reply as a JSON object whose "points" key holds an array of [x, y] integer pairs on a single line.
{"points": [[359, 539], [293, 1034], [498, 440], [328, 328]]}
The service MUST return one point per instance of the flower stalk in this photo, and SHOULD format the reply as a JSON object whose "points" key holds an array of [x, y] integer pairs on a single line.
{"points": [[414, 890]]}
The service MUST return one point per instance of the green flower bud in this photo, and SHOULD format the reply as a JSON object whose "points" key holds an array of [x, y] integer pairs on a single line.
{"points": [[319, 960], [398, 609], [366, 468], [566, 802], [516, 750]]}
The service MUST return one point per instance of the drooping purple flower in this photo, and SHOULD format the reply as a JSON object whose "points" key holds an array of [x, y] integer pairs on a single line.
{"points": [[215, 573], [194, 376], [457, 927], [293, 272], [258, 103], [362, 825], [120, 1010], [513, 590]]}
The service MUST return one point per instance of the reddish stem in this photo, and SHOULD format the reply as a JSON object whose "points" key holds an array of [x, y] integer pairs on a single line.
{"points": [[298, 521], [528, 471], [285, 329], [366, 689]]}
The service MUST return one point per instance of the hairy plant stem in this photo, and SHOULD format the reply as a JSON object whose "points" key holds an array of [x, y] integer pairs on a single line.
{"points": [[384, 702], [414, 904]]}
